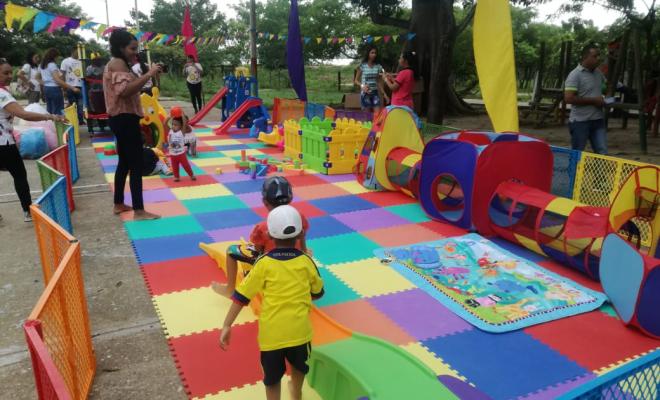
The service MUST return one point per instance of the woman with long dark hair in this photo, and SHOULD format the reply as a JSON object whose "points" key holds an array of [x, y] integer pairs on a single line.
{"points": [[402, 86], [122, 98], [29, 78], [54, 83], [369, 81]]}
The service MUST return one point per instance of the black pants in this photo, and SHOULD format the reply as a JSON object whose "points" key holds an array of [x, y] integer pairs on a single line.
{"points": [[126, 128], [10, 159], [195, 95]]}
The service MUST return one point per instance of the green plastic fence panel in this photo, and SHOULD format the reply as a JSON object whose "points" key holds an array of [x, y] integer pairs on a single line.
{"points": [[47, 174]]}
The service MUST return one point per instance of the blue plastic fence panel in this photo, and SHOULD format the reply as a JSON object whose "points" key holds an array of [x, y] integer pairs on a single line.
{"points": [[564, 171], [314, 110], [53, 202], [639, 379], [73, 155]]}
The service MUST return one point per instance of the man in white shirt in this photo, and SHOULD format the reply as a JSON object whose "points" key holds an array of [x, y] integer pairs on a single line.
{"points": [[73, 74]]}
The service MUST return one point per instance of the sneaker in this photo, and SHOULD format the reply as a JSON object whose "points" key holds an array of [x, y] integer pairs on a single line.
{"points": [[27, 217]]}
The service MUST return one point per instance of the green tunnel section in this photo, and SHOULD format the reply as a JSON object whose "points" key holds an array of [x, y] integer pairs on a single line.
{"points": [[366, 367]]}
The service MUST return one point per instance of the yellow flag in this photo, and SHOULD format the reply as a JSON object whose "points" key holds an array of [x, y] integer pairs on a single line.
{"points": [[318, 40], [377, 38], [493, 55], [342, 40], [13, 13], [27, 17], [100, 30]]}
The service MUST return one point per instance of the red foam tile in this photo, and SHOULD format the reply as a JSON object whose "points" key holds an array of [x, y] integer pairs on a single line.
{"points": [[164, 209], [385, 199], [571, 274], [181, 274], [298, 180], [206, 368], [206, 148], [186, 182], [594, 340], [324, 191], [362, 317], [445, 230], [153, 183], [401, 235], [270, 150], [305, 208]]}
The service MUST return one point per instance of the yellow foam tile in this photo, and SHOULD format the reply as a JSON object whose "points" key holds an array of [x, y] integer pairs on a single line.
{"points": [[210, 162], [200, 192], [221, 142], [100, 145], [353, 187], [370, 277], [237, 153], [110, 178], [257, 391], [195, 310], [431, 361]]}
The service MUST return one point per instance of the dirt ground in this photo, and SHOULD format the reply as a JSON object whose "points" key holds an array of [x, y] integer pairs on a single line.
{"points": [[131, 350]]}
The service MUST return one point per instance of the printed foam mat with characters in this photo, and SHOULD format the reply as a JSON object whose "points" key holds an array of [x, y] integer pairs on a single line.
{"points": [[487, 286]]}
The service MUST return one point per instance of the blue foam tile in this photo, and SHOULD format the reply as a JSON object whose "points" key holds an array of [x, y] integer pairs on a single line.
{"points": [[504, 365], [109, 169], [229, 147], [247, 186], [518, 250], [325, 226], [343, 204], [170, 247], [335, 291], [228, 219]]}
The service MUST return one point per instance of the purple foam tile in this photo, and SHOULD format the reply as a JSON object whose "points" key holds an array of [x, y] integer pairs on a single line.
{"points": [[230, 177], [252, 199], [231, 234], [419, 314], [150, 196], [337, 178], [366, 220], [557, 390], [109, 162]]}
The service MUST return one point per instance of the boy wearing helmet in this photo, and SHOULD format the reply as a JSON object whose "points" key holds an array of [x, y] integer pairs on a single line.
{"points": [[276, 191], [288, 280]]}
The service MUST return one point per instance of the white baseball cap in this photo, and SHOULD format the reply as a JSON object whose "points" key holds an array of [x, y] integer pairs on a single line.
{"points": [[284, 222]]}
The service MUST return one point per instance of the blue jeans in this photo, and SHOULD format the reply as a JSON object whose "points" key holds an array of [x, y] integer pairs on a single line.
{"points": [[76, 98], [54, 100], [594, 131]]}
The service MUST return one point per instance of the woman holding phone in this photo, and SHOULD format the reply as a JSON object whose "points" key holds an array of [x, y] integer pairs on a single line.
{"points": [[368, 79]]}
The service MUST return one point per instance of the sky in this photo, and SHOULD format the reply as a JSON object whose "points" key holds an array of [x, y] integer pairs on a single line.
{"points": [[119, 10]]}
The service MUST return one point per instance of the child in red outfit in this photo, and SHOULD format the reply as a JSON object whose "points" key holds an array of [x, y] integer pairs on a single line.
{"points": [[402, 86], [276, 191], [177, 147]]}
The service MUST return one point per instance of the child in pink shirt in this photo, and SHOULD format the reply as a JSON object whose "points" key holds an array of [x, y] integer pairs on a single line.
{"points": [[402, 86]]}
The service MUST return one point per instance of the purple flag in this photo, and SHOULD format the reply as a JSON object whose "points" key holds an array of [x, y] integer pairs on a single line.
{"points": [[294, 54]]}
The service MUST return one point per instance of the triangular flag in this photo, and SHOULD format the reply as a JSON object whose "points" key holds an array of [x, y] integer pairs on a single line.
{"points": [[342, 40], [157, 37], [349, 40], [109, 30], [334, 40], [411, 35], [369, 39], [271, 36], [318, 40], [42, 20], [395, 38], [138, 35], [88, 25], [73, 23], [58, 23], [386, 38], [377, 38], [27, 17], [13, 13], [170, 39], [307, 39], [101, 28], [283, 37]]}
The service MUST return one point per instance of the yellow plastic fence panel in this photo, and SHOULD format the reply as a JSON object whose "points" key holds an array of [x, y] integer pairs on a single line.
{"points": [[493, 55], [71, 113], [292, 139]]}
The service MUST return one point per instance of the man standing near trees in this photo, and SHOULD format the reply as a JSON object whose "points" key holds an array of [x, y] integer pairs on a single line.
{"points": [[73, 73], [583, 91]]}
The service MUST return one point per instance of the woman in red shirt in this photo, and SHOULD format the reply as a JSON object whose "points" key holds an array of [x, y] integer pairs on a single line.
{"points": [[402, 86]]}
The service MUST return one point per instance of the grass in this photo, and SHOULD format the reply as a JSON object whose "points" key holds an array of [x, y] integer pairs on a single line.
{"points": [[321, 85]]}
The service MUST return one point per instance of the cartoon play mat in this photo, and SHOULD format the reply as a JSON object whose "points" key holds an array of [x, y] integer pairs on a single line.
{"points": [[487, 286]]}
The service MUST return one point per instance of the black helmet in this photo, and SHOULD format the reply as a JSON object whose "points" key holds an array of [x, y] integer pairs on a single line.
{"points": [[277, 191]]}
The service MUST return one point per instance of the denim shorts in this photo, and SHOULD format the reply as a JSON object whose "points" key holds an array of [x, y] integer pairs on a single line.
{"points": [[370, 100]]}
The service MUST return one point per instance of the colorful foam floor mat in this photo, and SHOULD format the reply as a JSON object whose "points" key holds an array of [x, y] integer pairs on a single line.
{"points": [[491, 288], [347, 223]]}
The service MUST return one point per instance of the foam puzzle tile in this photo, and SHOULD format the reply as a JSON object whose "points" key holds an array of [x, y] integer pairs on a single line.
{"points": [[362, 317], [342, 248], [200, 192], [186, 182], [336, 291], [167, 226], [353, 187], [325, 226], [229, 176], [252, 199], [385, 199], [304, 180], [210, 204], [337, 178], [401, 235], [504, 366], [169, 248], [151, 184], [221, 142], [150, 196], [237, 153], [307, 209], [164, 209], [181, 274], [206, 368], [370, 219], [231, 147], [320, 191], [247, 185], [443, 230], [411, 309], [195, 310], [342, 204], [231, 234], [257, 391], [212, 162], [228, 218], [369, 277], [436, 364], [411, 212], [553, 392], [600, 342]]}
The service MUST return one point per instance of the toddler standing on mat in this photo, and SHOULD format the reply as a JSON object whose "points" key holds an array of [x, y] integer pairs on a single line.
{"points": [[176, 143]]}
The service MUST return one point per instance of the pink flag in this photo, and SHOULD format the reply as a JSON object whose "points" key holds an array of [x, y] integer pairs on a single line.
{"points": [[57, 23], [187, 32]]}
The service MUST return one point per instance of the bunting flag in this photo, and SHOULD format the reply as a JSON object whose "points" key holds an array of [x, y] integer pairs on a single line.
{"points": [[100, 29], [386, 38], [57, 23], [71, 24], [42, 20], [27, 17], [13, 13]]}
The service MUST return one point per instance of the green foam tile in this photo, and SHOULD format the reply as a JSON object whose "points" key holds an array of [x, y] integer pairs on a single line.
{"points": [[256, 145], [167, 226], [211, 204], [196, 170], [336, 291], [412, 212], [206, 154], [342, 248]]}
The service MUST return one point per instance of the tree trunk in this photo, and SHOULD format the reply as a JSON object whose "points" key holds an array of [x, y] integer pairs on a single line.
{"points": [[435, 28]]}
